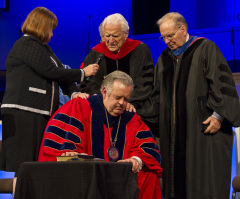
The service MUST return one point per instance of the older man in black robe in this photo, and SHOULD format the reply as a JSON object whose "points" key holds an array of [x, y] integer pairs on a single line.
{"points": [[121, 53], [199, 105]]}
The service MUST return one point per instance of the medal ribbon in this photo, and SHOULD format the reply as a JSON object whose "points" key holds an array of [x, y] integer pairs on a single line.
{"points": [[110, 136]]}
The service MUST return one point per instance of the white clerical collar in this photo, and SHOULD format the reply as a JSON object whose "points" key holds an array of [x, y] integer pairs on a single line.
{"points": [[187, 37]]}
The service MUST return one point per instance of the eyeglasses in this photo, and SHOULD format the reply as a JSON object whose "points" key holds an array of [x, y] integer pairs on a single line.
{"points": [[169, 36]]}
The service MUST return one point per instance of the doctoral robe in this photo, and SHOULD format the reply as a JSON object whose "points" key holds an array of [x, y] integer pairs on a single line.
{"points": [[135, 59], [192, 86], [80, 125]]}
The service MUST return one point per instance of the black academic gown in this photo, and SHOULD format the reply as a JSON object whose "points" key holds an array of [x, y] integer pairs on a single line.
{"points": [[196, 165], [135, 59]]}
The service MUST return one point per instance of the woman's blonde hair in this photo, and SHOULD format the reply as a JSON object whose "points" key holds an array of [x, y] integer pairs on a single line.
{"points": [[39, 23]]}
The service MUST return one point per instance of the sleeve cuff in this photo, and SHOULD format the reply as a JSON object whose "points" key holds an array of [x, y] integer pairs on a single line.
{"points": [[83, 75], [139, 161], [217, 116], [74, 94]]}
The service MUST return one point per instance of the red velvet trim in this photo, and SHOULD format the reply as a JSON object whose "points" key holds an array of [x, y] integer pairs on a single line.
{"points": [[127, 47], [82, 65]]}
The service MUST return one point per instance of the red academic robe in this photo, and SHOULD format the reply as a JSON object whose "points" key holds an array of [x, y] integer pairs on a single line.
{"points": [[81, 126]]}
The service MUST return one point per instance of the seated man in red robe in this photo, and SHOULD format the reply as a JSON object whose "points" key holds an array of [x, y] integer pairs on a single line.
{"points": [[101, 126]]}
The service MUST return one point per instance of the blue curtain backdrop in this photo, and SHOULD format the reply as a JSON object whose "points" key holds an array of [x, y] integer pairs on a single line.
{"points": [[77, 30], [78, 21]]}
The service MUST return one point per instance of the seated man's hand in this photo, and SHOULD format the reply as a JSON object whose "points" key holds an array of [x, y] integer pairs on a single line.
{"points": [[136, 167], [130, 108], [80, 95], [72, 153]]}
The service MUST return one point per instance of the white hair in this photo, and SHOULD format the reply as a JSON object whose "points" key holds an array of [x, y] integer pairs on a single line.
{"points": [[101, 30], [116, 19]]}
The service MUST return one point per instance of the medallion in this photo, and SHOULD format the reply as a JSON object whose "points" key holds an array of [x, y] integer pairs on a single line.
{"points": [[113, 154]]}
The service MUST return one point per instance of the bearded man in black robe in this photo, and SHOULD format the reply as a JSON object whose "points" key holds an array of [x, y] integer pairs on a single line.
{"points": [[121, 53], [199, 105]]}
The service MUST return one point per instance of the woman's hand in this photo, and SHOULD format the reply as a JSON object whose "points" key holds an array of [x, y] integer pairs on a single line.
{"points": [[80, 95], [91, 70], [130, 108]]}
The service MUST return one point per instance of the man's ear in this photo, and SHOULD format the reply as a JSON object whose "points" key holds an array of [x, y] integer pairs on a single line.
{"points": [[185, 29], [126, 35], [104, 92]]}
